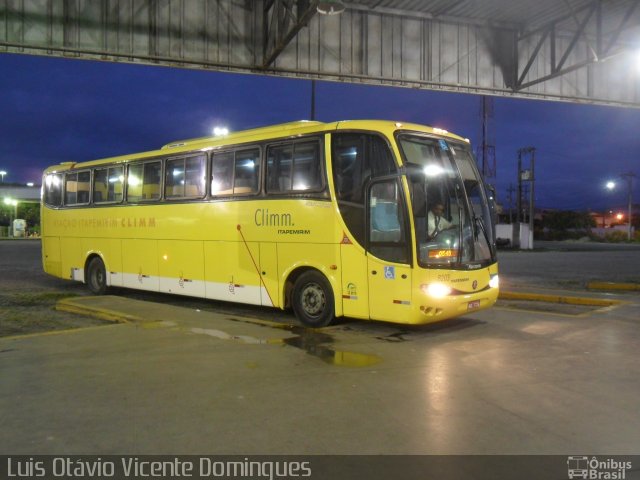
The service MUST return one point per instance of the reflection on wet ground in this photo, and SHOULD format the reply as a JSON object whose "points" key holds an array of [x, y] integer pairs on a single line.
{"points": [[319, 344]]}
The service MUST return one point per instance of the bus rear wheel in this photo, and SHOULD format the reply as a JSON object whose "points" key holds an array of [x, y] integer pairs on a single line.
{"points": [[97, 276], [312, 300]]}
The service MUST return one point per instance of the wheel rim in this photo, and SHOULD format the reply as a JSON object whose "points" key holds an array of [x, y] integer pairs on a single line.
{"points": [[313, 299], [96, 277]]}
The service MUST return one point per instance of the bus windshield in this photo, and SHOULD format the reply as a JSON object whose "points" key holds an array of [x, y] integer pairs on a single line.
{"points": [[449, 204]]}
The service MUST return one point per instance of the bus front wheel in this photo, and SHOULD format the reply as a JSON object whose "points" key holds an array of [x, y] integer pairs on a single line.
{"points": [[312, 300], [97, 276]]}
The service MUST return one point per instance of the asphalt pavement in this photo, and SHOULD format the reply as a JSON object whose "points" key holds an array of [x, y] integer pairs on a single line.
{"points": [[185, 376]]}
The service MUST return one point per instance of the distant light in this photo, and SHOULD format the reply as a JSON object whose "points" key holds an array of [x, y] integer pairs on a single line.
{"points": [[2, 174], [330, 7], [220, 131], [611, 185], [29, 184], [10, 201], [619, 216]]}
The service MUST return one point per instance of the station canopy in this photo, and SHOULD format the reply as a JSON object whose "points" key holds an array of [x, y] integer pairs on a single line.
{"points": [[573, 50]]}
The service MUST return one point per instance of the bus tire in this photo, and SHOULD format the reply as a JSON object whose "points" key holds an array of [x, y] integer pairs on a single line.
{"points": [[312, 300], [97, 276]]}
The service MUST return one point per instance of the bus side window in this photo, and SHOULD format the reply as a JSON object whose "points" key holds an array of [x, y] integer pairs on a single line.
{"points": [[143, 181], [116, 184], [247, 171], [77, 188], [356, 159], [134, 183], [107, 184], [151, 184], [387, 237], [100, 185], [71, 189], [279, 162], [306, 166], [294, 167], [174, 178], [195, 171], [184, 177], [222, 173], [84, 187], [53, 190]]}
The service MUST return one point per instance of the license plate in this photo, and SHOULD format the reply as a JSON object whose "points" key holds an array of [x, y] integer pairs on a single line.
{"points": [[473, 305]]}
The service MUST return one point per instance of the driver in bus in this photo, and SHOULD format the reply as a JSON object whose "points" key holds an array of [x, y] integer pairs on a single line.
{"points": [[436, 222]]}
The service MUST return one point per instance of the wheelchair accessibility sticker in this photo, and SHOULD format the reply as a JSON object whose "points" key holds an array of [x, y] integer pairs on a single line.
{"points": [[390, 272]]}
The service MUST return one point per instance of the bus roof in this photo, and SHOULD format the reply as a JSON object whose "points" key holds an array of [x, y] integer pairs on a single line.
{"points": [[257, 134], [284, 129]]}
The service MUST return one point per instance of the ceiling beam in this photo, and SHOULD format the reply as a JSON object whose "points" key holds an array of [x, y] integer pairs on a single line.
{"points": [[281, 23]]}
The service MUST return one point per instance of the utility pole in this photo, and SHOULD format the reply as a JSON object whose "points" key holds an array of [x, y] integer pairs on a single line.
{"points": [[486, 151], [525, 204], [527, 175], [511, 190]]}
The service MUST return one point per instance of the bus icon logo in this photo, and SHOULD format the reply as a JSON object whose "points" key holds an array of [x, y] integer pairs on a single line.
{"points": [[578, 467], [390, 273]]}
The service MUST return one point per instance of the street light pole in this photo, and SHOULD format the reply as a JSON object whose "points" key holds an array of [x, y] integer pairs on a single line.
{"points": [[629, 178], [12, 202]]}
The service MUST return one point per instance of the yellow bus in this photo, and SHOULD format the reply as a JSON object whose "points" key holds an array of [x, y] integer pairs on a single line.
{"points": [[364, 219]]}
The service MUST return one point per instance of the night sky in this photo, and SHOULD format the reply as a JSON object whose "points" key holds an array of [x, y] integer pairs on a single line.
{"points": [[54, 110]]}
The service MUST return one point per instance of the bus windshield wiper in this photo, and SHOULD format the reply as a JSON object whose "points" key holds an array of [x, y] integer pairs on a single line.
{"points": [[479, 221]]}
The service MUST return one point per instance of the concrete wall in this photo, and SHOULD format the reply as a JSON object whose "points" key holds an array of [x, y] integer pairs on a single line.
{"points": [[518, 235]]}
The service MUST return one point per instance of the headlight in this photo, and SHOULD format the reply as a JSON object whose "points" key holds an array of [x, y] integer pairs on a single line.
{"points": [[436, 290], [494, 282]]}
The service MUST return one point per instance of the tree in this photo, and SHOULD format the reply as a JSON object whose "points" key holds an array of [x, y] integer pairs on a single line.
{"points": [[568, 220], [30, 211], [565, 224]]}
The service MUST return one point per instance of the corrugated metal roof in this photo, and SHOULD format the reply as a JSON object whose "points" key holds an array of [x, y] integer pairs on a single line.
{"points": [[524, 15]]}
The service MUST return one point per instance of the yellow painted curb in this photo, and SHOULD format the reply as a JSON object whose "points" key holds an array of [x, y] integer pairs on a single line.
{"points": [[613, 286], [68, 305], [541, 297], [50, 333]]}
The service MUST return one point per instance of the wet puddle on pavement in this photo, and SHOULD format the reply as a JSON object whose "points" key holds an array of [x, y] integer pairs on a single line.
{"points": [[316, 343]]}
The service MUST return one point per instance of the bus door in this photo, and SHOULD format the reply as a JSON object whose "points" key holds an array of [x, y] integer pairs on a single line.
{"points": [[388, 257]]}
